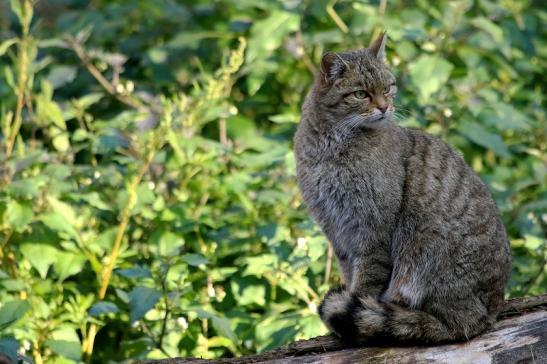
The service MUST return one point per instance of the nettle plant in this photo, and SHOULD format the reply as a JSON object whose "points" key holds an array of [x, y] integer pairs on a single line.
{"points": [[108, 228], [129, 230]]}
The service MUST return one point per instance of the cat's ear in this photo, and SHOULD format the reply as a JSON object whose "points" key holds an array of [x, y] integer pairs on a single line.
{"points": [[378, 47], [332, 66]]}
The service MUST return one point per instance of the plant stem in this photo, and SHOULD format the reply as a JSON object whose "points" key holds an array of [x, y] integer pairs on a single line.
{"points": [[109, 87], [379, 29], [382, 7], [335, 17], [107, 272], [21, 87], [37, 356], [223, 135], [328, 265], [166, 316], [7, 258]]}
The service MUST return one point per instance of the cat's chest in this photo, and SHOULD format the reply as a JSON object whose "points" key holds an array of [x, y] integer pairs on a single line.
{"points": [[344, 182], [359, 182], [356, 185]]}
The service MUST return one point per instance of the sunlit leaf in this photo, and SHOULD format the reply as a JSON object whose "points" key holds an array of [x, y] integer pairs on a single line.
{"points": [[12, 311], [67, 349], [194, 259], [135, 272], [40, 256], [68, 263], [484, 138], [19, 214], [429, 73], [9, 347], [103, 307], [142, 300]]}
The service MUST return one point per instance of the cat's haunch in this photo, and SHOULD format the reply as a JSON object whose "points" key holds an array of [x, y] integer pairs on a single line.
{"points": [[423, 253]]}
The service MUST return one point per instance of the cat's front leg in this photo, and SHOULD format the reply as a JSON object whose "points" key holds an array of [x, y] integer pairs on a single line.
{"points": [[365, 262], [346, 270], [370, 273]]}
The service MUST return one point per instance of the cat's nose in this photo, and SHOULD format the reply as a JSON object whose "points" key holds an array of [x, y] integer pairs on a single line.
{"points": [[383, 108]]}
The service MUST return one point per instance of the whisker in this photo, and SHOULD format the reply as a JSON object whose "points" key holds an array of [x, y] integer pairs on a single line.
{"points": [[347, 123], [401, 112]]}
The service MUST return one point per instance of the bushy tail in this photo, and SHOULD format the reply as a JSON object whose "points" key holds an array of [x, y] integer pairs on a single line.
{"points": [[359, 319]]}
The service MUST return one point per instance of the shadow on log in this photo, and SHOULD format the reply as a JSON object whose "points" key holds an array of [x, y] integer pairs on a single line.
{"points": [[519, 336]]}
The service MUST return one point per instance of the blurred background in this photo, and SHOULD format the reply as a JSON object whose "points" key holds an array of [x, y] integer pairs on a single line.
{"points": [[148, 202]]}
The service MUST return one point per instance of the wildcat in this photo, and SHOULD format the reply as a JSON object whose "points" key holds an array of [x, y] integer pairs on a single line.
{"points": [[423, 253]]}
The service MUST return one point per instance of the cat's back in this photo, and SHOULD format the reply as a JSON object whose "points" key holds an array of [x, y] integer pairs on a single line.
{"points": [[438, 177], [447, 193]]}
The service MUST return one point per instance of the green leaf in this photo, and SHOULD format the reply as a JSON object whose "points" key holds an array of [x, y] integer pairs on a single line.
{"points": [[63, 209], [142, 300], [478, 135], [26, 188], [272, 332], [504, 117], [429, 73], [48, 111], [261, 264], [219, 341], [68, 264], [267, 35], [12, 311], [50, 114], [185, 39], [60, 141], [317, 247], [220, 324], [169, 243], [533, 242], [5, 45], [490, 27], [134, 272], [9, 347], [19, 215], [58, 223], [259, 72], [174, 141], [241, 127], [285, 118], [40, 256], [93, 199], [194, 259], [67, 349], [102, 308], [87, 100], [15, 6], [24, 12], [61, 75], [247, 293], [10, 79], [311, 326]]}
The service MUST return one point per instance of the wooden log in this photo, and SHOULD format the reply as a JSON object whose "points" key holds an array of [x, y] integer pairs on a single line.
{"points": [[520, 336]]}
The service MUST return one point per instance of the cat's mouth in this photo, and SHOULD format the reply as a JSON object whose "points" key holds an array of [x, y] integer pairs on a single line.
{"points": [[376, 118]]}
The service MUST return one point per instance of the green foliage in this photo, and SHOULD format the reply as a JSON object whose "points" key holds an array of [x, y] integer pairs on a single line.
{"points": [[148, 203]]}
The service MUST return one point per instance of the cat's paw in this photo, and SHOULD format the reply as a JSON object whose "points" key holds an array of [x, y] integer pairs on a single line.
{"points": [[333, 302], [369, 317], [336, 311], [351, 317]]}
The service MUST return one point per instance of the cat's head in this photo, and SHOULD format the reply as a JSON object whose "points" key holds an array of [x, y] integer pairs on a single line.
{"points": [[356, 88]]}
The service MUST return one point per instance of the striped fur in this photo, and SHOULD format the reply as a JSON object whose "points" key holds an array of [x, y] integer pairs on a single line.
{"points": [[423, 253]]}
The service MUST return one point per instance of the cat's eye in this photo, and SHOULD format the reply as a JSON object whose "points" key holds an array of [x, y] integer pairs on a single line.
{"points": [[360, 94]]}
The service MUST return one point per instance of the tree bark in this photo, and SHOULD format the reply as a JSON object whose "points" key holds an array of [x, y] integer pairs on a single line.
{"points": [[519, 336]]}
